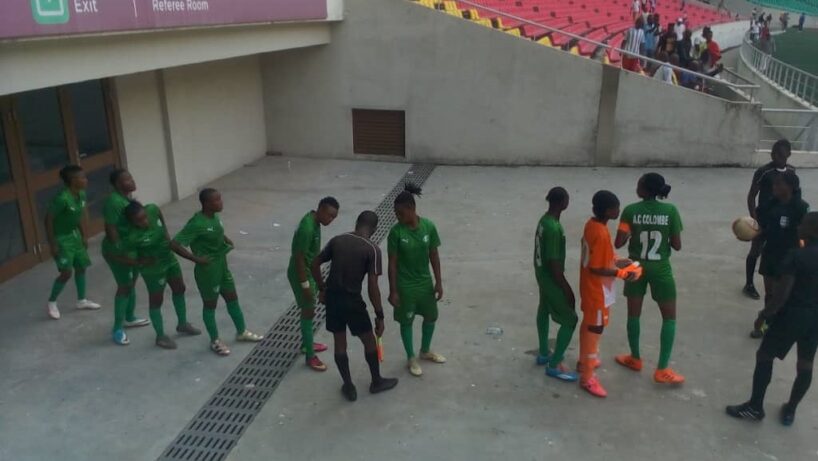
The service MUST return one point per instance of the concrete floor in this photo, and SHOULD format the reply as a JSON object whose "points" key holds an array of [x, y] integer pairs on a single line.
{"points": [[66, 392]]}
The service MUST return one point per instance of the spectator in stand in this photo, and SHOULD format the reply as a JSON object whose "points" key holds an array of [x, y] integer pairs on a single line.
{"points": [[689, 79], [636, 9], [767, 46], [801, 20], [769, 19], [711, 66], [685, 49], [680, 29], [698, 48], [634, 46], [663, 39], [754, 30], [674, 60], [721, 8], [650, 37], [784, 19], [653, 5], [755, 14], [664, 72]]}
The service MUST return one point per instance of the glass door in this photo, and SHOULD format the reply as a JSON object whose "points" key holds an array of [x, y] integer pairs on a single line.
{"points": [[42, 131], [90, 120], [44, 148], [18, 243]]}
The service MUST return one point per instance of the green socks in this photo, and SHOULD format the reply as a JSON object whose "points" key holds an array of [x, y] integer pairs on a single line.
{"points": [[427, 331], [666, 338], [234, 310], [79, 281], [56, 289], [633, 336], [155, 313], [406, 338], [564, 335], [209, 318], [130, 311], [307, 338], [180, 308], [542, 331], [120, 305]]}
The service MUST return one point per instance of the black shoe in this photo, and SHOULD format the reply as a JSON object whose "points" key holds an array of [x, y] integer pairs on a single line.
{"points": [[383, 385], [349, 391], [751, 292], [745, 411], [165, 343], [787, 414], [757, 334], [188, 329]]}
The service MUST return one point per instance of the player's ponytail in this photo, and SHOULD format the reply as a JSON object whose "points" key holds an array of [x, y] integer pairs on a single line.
{"points": [[407, 197], [655, 186]]}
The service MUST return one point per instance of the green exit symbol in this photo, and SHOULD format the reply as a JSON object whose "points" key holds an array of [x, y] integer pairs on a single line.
{"points": [[50, 11]]}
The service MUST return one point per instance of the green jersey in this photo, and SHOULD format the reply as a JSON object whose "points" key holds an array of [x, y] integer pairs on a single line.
{"points": [[307, 241], [549, 245], [151, 242], [113, 213], [66, 211], [204, 236], [412, 248], [651, 224]]}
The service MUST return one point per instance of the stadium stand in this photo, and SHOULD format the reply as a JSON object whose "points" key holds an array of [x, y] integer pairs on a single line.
{"points": [[603, 21]]}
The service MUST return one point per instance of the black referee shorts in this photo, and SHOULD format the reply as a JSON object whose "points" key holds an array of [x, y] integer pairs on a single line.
{"points": [[347, 310], [794, 325]]}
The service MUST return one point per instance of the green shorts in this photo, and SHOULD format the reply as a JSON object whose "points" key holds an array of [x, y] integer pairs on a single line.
{"points": [[552, 301], [156, 278], [300, 300], [214, 278], [71, 254], [417, 301], [123, 274], [660, 279]]}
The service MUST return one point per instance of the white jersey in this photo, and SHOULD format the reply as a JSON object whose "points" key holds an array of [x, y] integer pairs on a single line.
{"points": [[634, 39]]}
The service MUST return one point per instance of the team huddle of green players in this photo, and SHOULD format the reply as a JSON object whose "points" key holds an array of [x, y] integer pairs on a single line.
{"points": [[138, 244]]}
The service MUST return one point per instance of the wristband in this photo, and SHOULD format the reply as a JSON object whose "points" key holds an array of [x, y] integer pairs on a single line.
{"points": [[305, 284]]}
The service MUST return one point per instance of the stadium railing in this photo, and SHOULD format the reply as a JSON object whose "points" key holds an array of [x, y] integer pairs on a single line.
{"points": [[801, 84], [800, 126], [737, 85]]}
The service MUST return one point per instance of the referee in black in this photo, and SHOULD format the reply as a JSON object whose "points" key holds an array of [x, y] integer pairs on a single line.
{"points": [[353, 256], [793, 317]]}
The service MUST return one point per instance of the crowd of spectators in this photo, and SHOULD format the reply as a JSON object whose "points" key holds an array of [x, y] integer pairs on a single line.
{"points": [[680, 56]]}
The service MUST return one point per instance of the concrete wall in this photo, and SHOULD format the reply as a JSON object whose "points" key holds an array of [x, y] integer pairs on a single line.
{"points": [[657, 125], [476, 95], [32, 64], [183, 127], [471, 95], [143, 136], [216, 118]]}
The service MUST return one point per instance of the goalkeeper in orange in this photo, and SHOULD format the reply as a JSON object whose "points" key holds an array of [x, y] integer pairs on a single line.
{"points": [[598, 270]]}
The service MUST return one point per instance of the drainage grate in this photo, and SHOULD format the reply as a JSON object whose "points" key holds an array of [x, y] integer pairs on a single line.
{"points": [[219, 424]]}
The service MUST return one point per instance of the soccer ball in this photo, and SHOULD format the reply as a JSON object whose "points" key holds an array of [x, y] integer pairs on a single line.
{"points": [[745, 228]]}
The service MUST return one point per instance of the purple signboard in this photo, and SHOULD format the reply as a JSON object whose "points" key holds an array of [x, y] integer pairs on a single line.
{"points": [[37, 18]]}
